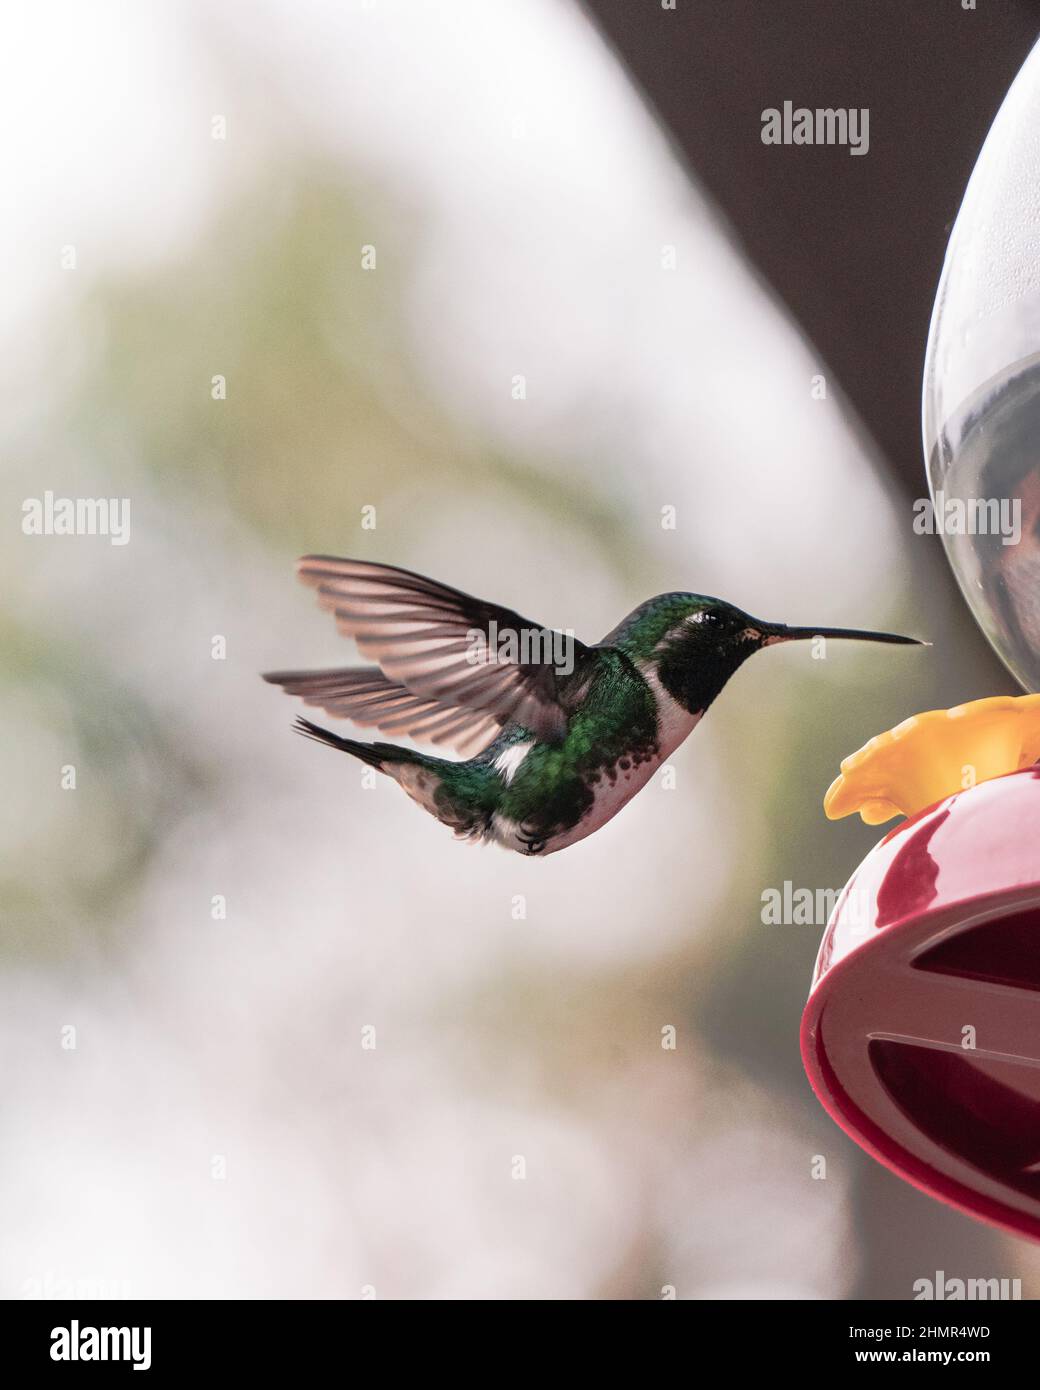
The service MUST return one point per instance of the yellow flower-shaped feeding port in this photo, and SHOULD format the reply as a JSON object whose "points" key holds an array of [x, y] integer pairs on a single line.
{"points": [[932, 755]]}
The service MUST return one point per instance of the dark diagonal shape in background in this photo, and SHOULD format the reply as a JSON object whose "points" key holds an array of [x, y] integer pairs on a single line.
{"points": [[852, 244]]}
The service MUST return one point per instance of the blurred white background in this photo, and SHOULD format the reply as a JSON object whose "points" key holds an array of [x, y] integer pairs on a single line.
{"points": [[218, 1128]]}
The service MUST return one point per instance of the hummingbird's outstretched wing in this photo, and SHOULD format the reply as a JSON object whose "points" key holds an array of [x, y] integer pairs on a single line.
{"points": [[367, 697], [448, 646]]}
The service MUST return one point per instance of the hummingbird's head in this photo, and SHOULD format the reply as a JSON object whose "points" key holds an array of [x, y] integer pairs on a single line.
{"points": [[694, 643]]}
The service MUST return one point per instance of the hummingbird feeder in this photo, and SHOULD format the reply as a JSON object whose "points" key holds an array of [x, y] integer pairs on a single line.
{"points": [[921, 1035]]}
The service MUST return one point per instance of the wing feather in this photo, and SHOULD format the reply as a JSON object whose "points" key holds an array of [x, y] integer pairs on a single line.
{"points": [[369, 698], [447, 647]]}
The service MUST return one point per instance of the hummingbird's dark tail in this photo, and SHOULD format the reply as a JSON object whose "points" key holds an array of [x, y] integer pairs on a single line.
{"points": [[374, 754], [461, 804]]}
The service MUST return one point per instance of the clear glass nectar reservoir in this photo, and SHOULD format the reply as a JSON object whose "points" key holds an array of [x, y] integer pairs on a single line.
{"points": [[981, 407]]}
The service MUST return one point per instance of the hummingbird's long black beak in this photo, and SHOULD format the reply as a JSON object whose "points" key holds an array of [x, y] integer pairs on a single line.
{"points": [[780, 632]]}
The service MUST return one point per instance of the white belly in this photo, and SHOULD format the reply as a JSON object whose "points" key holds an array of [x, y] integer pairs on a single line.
{"points": [[616, 786]]}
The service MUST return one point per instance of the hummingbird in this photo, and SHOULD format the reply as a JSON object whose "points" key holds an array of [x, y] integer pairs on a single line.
{"points": [[555, 737]]}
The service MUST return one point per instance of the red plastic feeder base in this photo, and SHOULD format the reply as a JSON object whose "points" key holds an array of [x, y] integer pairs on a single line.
{"points": [[921, 1036]]}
